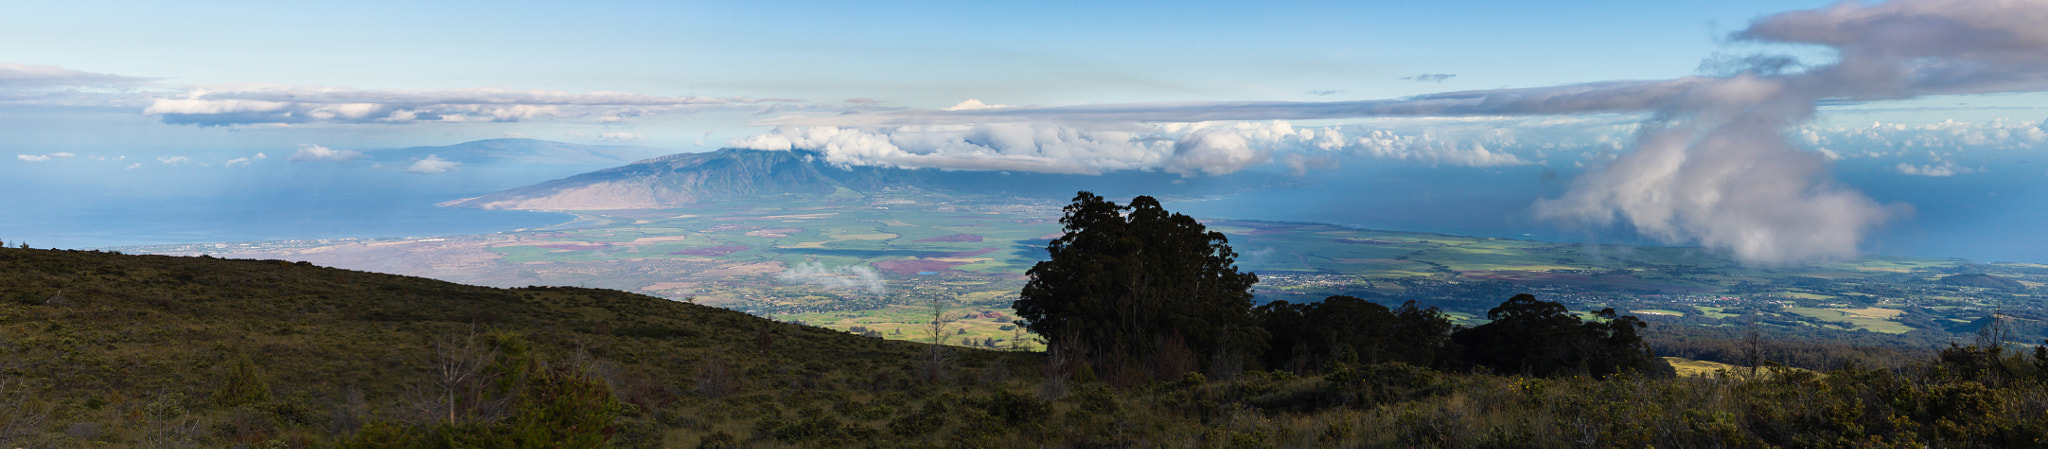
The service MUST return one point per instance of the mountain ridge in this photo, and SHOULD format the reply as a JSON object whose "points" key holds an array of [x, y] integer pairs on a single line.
{"points": [[686, 179]]}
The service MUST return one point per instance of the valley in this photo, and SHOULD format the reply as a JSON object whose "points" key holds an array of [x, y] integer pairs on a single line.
{"points": [[878, 263]]}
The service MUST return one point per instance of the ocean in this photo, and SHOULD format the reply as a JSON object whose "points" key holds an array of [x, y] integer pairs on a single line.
{"points": [[1990, 215], [298, 217]]}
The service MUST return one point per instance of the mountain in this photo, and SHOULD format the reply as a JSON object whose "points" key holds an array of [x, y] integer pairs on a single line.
{"points": [[730, 174]]}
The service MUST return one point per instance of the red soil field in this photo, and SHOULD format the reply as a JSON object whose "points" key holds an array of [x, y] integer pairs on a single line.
{"points": [[714, 251], [954, 238], [575, 246], [910, 267]]}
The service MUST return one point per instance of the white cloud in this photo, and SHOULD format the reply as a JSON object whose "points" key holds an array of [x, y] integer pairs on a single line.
{"points": [[619, 136], [1213, 151], [1715, 165], [134, 166], [973, 104], [43, 157], [432, 164], [247, 104], [1207, 148], [15, 76], [316, 153], [58, 86], [851, 277], [173, 159], [1946, 168]]}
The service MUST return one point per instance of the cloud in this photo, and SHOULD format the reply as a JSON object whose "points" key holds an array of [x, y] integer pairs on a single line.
{"points": [[249, 104], [1423, 148], [1586, 98], [1948, 135], [15, 76], [1945, 169], [1213, 151], [851, 277], [173, 159], [974, 105], [432, 164], [863, 100], [1189, 149], [316, 153], [1713, 164], [1430, 77], [1299, 165], [133, 166], [235, 162], [58, 86], [1324, 92], [1715, 168], [1002, 146], [619, 136], [43, 157]]}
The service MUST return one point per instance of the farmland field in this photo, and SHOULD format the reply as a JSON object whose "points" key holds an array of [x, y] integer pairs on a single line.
{"points": [[879, 262]]}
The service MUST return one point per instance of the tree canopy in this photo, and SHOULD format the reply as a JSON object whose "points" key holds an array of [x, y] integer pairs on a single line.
{"points": [[1528, 336], [1352, 330], [1135, 279]]}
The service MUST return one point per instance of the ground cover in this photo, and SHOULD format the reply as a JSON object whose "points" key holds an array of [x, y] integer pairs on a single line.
{"points": [[733, 254]]}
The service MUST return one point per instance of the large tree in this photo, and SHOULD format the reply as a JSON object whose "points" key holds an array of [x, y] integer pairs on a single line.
{"points": [[1133, 281]]}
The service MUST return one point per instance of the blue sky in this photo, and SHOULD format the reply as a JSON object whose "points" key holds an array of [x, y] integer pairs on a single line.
{"points": [[918, 54], [92, 94]]}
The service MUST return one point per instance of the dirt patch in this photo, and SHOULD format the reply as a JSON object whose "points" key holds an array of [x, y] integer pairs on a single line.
{"points": [[963, 254], [653, 240], [911, 267], [715, 251], [575, 246], [1365, 241], [659, 286], [955, 238], [774, 232], [1352, 260], [745, 269], [799, 216]]}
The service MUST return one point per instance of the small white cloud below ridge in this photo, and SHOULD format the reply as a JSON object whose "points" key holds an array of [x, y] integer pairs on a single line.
{"points": [[432, 164], [317, 153]]}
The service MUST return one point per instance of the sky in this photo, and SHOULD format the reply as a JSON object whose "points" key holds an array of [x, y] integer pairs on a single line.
{"points": [[1766, 130]]}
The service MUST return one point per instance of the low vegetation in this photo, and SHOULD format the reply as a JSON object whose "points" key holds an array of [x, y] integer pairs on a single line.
{"points": [[108, 350]]}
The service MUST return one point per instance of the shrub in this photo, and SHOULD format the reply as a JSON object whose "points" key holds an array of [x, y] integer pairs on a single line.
{"points": [[244, 385]]}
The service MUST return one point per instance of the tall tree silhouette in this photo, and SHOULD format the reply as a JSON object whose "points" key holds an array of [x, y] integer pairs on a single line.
{"points": [[1126, 280]]}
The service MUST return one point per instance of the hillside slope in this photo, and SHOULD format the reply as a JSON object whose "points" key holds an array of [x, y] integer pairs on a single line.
{"points": [[107, 342], [108, 350]]}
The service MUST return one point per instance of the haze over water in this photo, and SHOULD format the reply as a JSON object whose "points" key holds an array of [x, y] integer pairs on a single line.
{"points": [[1992, 216]]}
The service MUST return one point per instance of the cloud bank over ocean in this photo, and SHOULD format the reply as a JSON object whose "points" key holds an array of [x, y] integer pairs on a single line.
{"points": [[1714, 162]]}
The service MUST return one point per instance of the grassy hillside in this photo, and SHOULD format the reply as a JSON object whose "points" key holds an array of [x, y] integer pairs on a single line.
{"points": [[107, 350], [104, 343]]}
